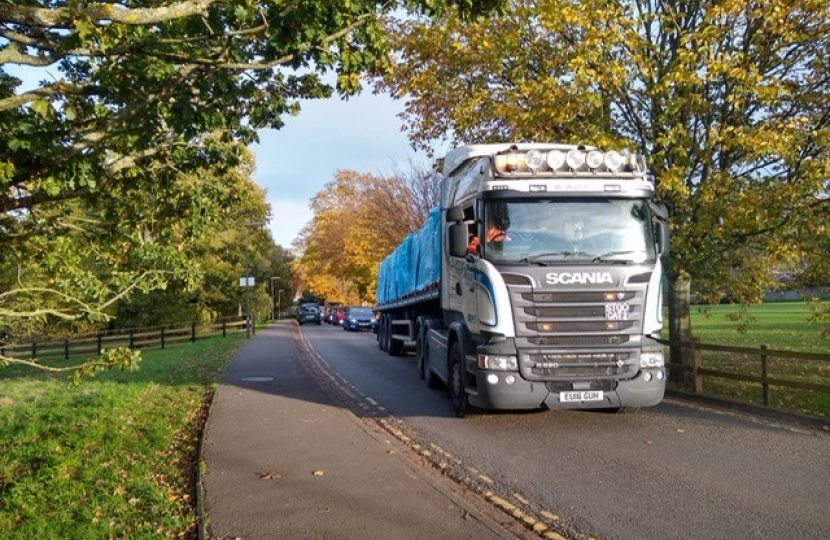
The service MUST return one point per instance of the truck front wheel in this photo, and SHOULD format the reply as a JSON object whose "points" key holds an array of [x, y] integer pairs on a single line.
{"points": [[458, 394]]}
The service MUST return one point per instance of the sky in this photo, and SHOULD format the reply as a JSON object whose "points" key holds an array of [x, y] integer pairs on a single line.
{"points": [[295, 162]]}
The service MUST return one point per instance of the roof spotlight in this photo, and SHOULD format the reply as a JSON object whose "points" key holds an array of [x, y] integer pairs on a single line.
{"points": [[613, 160], [575, 159], [594, 159], [555, 160], [534, 159]]}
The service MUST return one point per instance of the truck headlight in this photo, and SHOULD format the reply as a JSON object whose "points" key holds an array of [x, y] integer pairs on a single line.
{"points": [[498, 362], [651, 359]]}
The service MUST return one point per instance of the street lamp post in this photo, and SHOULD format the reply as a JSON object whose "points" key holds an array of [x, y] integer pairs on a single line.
{"points": [[279, 306], [273, 300], [248, 279], [247, 287]]}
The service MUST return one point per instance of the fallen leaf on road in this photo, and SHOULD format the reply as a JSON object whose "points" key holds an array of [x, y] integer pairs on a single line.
{"points": [[270, 476], [317, 473]]}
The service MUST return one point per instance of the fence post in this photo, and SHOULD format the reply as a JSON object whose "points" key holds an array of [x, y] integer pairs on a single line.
{"points": [[34, 350], [162, 337], [697, 363], [66, 348], [224, 329], [764, 374], [99, 345], [132, 338], [192, 331]]}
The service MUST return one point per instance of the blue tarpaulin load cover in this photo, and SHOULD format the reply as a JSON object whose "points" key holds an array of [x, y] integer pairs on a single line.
{"points": [[414, 265]]}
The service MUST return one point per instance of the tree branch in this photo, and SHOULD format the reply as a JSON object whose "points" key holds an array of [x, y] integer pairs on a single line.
{"points": [[100, 12]]}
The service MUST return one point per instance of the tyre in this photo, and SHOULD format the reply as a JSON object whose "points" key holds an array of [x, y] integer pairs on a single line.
{"points": [[430, 378], [421, 350], [455, 384], [395, 346], [382, 332]]}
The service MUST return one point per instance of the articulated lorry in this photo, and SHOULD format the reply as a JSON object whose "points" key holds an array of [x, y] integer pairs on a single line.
{"points": [[536, 283]]}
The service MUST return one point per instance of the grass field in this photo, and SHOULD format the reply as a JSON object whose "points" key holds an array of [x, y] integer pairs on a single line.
{"points": [[111, 458], [779, 326]]}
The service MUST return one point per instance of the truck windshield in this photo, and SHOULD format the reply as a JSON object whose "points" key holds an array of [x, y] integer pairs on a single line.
{"points": [[544, 231]]}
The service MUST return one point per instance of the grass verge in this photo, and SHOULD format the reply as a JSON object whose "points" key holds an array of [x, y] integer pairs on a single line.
{"points": [[114, 457]]}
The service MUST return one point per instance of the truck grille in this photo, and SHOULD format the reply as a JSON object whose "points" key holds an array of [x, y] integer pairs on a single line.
{"points": [[579, 365], [585, 297], [587, 335], [579, 340]]}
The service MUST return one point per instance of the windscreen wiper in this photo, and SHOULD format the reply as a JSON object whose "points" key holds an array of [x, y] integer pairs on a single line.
{"points": [[535, 258], [602, 258]]}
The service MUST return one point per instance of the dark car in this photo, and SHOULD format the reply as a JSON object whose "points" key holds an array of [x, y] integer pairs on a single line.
{"points": [[309, 314], [358, 318]]}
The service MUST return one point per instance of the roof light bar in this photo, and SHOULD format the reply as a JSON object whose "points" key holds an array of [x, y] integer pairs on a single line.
{"points": [[558, 162]]}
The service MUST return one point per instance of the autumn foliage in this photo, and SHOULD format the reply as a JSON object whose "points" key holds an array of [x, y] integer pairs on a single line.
{"points": [[359, 219]]}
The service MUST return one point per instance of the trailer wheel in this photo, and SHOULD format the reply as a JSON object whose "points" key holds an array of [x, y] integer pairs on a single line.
{"points": [[455, 384], [395, 346], [382, 332], [420, 349]]}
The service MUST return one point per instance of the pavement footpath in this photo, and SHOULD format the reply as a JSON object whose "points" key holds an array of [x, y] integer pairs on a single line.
{"points": [[284, 460]]}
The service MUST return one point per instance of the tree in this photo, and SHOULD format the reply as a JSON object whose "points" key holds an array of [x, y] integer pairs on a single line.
{"points": [[729, 99], [138, 101], [358, 220]]}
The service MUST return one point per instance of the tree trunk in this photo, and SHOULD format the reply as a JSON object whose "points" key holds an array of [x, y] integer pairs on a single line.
{"points": [[680, 324]]}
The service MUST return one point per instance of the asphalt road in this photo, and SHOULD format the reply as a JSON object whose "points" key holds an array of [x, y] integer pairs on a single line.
{"points": [[678, 470]]}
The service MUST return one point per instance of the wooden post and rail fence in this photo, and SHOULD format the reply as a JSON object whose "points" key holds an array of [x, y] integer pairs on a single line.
{"points": [[90, 345], [757, 374]]}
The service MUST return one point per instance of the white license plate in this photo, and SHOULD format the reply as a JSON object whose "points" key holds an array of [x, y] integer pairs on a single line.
{"points": [[579, 397], [617, 311]]}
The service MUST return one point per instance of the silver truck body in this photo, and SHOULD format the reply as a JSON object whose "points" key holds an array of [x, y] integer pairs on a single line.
{"points": [[563, 310]]}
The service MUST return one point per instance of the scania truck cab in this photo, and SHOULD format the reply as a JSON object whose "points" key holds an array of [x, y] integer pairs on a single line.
{"points": [[550, 281]]}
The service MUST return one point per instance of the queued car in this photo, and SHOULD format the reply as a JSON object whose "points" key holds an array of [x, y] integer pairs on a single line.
{"points": [[358, 318], [309, 313], [329, 313], [339, 315]]}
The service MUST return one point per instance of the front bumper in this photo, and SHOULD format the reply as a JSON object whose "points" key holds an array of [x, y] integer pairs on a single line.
{"points": [[510, 390], [493, 391]]}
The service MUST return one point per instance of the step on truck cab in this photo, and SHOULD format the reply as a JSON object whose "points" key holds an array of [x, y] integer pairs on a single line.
{"points": [[536, 283]]}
